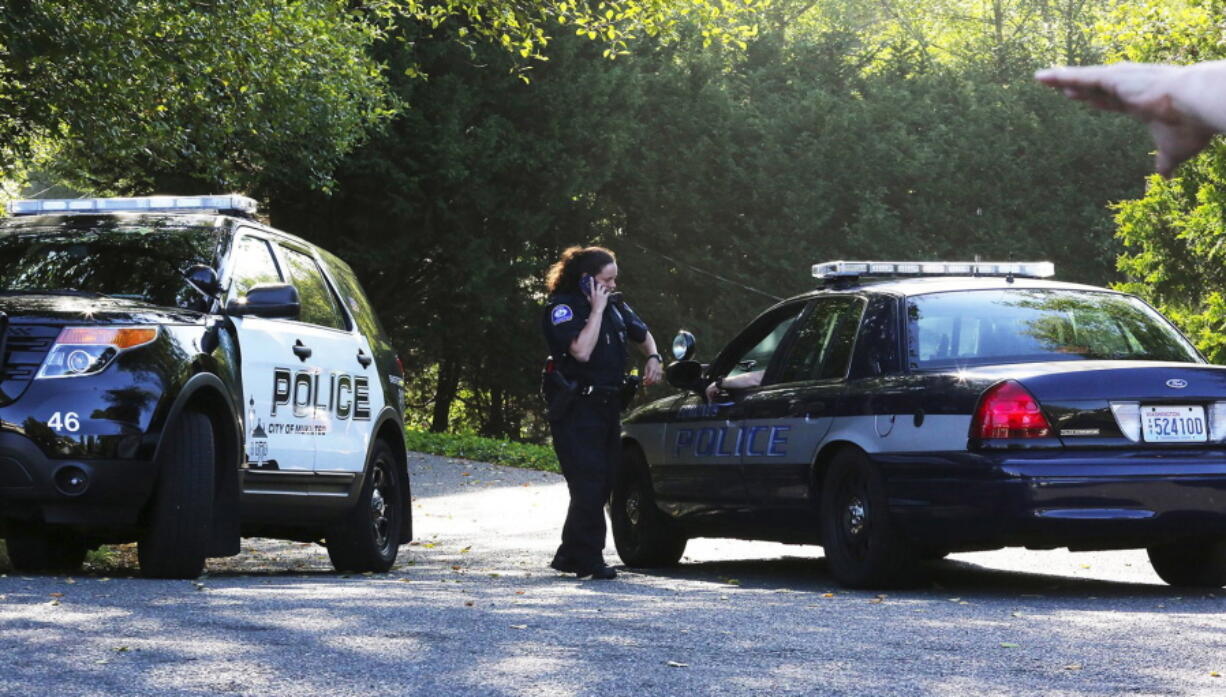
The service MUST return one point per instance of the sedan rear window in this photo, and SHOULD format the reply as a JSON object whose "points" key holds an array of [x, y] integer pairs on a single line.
{"points": [[1028, 325]]}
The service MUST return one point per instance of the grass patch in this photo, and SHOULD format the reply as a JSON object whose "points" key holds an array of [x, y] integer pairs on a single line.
{"points": [[472, 447]]}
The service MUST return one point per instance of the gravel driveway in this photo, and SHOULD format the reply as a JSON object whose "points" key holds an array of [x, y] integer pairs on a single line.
{"points": [[471, 609]]}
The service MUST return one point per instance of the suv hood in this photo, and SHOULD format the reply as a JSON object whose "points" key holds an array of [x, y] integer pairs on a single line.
{"points": [[64, 308]]}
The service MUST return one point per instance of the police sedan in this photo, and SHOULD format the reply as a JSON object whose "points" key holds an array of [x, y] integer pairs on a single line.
{"points": [[904, 411]]}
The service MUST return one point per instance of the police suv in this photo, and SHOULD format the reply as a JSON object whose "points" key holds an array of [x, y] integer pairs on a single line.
{"points": [[908, 410], [176, 373]]}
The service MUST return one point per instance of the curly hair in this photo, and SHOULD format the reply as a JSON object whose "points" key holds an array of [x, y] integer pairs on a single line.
{"points": [[565, 273]]}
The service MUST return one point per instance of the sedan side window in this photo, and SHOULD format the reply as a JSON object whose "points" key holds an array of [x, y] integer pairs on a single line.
{"points": [[253, 263], [759, 342], [822, 348]]}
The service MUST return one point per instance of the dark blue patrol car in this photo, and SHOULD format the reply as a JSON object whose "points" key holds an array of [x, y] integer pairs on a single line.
{"points": [[908, 410]]}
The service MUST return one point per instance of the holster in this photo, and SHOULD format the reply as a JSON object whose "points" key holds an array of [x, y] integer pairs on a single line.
{"points": [[558, 392], [630, 387]]}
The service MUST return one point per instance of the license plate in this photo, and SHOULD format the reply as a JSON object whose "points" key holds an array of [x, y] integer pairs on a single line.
{"points": [[1173, 424]]}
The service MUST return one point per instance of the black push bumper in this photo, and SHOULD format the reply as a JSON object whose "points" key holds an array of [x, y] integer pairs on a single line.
{"points": [[36, 488], [1046, 499]]}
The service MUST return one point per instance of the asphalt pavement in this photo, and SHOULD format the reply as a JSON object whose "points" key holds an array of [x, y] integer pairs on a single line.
{"points": [[471, 609]]}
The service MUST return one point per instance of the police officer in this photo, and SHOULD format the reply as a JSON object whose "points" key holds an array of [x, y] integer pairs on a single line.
{"points": [[586, 330]]}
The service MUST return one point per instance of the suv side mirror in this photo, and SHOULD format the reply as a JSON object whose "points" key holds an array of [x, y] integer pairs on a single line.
{"points": [[683, 345], [204, 279], [271, 300], [686, 375]]}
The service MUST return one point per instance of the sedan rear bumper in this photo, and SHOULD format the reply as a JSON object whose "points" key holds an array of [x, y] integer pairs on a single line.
{"points": [[1061, 498]]}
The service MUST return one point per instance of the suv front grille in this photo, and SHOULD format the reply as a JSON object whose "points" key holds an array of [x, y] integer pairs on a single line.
{"points": [[25, 347]]}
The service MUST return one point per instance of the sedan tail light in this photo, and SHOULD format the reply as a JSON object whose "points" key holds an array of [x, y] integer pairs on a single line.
{"points": [[1007, 410]]}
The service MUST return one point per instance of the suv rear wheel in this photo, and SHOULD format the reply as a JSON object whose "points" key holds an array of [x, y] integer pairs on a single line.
{"points": [[1196, 562], [369, 536], [33, 549], [176, 541]]}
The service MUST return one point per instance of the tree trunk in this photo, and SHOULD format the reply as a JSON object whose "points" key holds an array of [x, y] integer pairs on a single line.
{"points": [[444, 393]]}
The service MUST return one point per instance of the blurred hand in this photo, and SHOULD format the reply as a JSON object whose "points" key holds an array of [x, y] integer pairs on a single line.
{"points": [[1180, 104]]}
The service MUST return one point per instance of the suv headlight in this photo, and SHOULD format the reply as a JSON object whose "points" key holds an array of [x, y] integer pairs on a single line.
{"points": [[88, 350]]}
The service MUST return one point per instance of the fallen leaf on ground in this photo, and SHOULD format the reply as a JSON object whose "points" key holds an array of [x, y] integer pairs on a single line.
{"points": [[827, 595]]}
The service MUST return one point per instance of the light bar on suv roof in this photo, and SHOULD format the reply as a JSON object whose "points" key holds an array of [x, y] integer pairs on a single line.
{"points": [[228, 202], [845, 269]]}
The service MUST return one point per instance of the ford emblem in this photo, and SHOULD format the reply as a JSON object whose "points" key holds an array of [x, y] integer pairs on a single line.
{"points": [[1176, 383]]}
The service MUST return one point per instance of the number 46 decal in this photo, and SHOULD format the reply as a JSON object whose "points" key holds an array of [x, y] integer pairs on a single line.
{"points": [[67, 422]]}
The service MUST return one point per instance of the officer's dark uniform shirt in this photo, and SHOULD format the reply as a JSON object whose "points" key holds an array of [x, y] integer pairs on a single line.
{"points": [[565, 316]]}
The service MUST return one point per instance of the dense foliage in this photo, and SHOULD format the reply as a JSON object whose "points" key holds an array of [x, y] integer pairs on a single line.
{"points": [[133, 95], [1174, 235]]}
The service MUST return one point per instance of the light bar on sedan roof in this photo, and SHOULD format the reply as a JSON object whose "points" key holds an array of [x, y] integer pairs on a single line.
{"points": [[845, 269], [228, 202]]}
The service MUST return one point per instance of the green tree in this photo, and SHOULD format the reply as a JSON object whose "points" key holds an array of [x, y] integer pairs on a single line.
{"points": [[250, 95], [1174, 235]]}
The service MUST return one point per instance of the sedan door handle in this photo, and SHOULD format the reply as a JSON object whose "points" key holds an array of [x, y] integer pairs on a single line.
{"points": [[363, 358], [301, 350]]}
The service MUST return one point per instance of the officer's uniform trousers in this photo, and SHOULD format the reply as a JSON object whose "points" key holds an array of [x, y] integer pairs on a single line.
{"points": [[588, 443]]}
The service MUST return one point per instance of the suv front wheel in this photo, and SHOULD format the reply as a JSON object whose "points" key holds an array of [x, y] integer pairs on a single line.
{"points": [[176, 541], [368, 538]]}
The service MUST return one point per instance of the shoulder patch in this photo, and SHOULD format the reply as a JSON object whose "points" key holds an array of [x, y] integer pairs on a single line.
{"points": [[562, 313]]}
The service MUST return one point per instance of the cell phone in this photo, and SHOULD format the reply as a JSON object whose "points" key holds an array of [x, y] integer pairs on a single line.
{"points": [[585, 285]]}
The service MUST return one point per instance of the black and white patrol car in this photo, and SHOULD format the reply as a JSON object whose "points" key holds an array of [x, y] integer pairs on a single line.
{"points": [[179, 374], [908, 410]]}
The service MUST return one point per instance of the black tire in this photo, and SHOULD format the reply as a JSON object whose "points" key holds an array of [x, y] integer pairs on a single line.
{"points": [[644, 535], [176, 541], [1194, 563], [862, 544], [39, 549], [369, 536]]}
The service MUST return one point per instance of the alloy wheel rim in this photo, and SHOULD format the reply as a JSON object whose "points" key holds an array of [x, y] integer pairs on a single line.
{"points": [[380, 515], [634, 507], [855, 516]]}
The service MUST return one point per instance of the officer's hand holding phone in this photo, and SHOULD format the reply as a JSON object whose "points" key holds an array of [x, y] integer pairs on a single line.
{"points": [[596, 292]]}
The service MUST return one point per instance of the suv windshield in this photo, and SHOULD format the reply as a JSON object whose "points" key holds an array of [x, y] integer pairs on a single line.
{"points": [[1028, 325], [136, 257]]}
